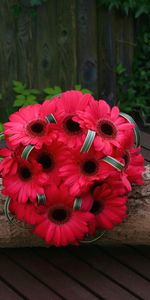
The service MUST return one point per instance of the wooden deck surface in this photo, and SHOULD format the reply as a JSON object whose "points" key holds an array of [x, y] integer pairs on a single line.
{"points": [[77, 273], [86, 272]]}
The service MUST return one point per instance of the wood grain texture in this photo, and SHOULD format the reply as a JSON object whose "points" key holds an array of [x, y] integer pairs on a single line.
{"points": [[88, 276], [135, 230], [64, 43], [87, 45], [120, 273], [8, 60], [45, 272], [106, 55]]}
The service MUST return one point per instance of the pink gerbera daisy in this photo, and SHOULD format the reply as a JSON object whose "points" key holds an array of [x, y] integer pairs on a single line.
{"points": [[29, 126], [56, 222], [70, 103], [134, 167], [108, 208], [113, 183], [81, 170], [26, 212], [51, 158], [26, 182], [111, 129], [7, 164], [86, 201]]}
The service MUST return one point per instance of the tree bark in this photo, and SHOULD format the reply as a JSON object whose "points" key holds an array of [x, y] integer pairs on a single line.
{"points": [[134, 230]]}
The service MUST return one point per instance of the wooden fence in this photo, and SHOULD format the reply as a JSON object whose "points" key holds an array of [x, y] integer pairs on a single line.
{"points": [[66, 42]]}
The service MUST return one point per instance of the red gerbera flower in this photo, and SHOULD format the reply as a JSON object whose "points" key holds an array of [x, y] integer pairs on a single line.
{"points": [[26, 182], [70, 103], [111, 129], [81, 170], [51, 158], [134, 168], [108, 208], [29, 126], [25, 212], [7, 164], [114, 185], [87, 201], [56, 222]]}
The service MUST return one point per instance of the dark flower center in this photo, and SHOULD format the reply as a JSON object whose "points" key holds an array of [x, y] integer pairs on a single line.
{"points": [[97, 207], [89, 167], [25, 173], [59, 215], [106, 128], [36, 127], [71, 126], [46, 160]]}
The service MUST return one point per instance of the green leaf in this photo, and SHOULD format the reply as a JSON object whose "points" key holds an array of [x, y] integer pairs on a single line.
{"points": [[20, 97], [26, 92], [140, 11], [57, 89], [30, 98], [86, 91], [52, 91], [114, 162], [41, 199], [48, 90], [34, 91], [19, 101], [29, 102], [26, 151], [19, 87], [78, 87], [120, 69], [88, 141], [18, 83], [1, 127], [49, 97]]}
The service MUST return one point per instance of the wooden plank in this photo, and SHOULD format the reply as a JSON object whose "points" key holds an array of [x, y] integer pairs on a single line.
{"points": [[106, 54], [131, 259], [7, 293], [144, 250], [8, 57], [146, 153], [45, 272], [145, 139], [87, 44], [124, 40], [125, 277], [23, 282], [45, 38], [79, 270], [66, 43]]}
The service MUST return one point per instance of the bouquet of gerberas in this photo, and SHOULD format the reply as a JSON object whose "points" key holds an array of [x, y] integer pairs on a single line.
{"points": [[69, 165]]}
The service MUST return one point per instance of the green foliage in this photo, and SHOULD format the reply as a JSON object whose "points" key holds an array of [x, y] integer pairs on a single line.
{"points": [[78, 87], [30, 8], [51, 92], [24, 96], [1, 127], [134, 90], [137, 7]]}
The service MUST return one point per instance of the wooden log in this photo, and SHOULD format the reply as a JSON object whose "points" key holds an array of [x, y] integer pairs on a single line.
{"points": [[134, 230]]}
